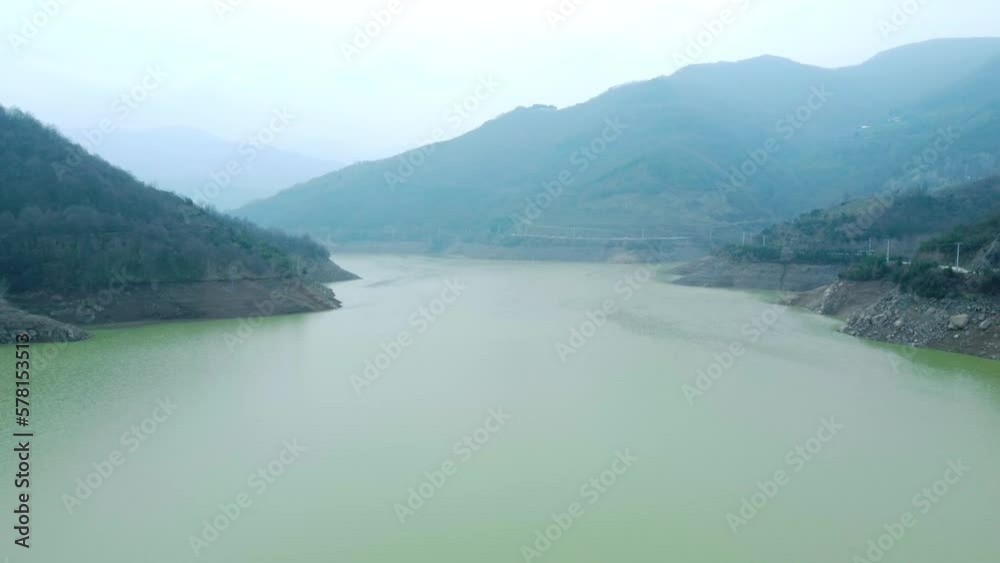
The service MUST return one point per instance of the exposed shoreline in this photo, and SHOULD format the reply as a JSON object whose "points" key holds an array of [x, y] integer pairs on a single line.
{"points": [[541, 250], [875, 310], [871, 310], [51, 317]]}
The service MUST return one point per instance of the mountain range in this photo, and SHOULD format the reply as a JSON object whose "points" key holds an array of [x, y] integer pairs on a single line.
{"points": [[713, 147]]}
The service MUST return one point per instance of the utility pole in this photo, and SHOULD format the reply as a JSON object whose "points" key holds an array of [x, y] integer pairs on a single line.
{"points": [[744, 243], [764, 243], [958, 254], [870, 240], [887, 250]]}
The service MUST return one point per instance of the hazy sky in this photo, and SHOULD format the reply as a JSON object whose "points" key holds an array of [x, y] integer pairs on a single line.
{"points": [[226, 65]]}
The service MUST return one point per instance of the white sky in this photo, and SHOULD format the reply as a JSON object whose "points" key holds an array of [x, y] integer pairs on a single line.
{"points": [[227, 74]]}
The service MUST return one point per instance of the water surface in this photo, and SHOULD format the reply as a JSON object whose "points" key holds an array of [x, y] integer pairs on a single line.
{"points": [[243, 393]]}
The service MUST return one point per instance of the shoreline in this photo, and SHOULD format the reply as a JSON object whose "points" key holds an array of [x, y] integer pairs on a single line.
{"points": [[875, 311], [49, 317]]}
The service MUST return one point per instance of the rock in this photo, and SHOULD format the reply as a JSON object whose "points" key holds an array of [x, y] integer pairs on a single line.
{"points": [[14, 321], [944, 324]]}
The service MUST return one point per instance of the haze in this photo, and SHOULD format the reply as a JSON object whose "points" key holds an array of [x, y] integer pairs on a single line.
{"points": [[236, 62]]}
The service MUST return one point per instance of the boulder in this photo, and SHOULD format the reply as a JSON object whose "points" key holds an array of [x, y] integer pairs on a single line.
{"points": [[958, 322], [986, 325]]}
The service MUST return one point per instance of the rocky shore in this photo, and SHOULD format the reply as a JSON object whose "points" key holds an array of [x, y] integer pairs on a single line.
{"points": [[541, 250], [967, 325], [880, 311], [874, 310], [718, 272], [55, 317], [14, 321]]}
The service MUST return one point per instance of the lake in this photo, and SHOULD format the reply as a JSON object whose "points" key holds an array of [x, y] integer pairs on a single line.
{"points": [[458, 410]]}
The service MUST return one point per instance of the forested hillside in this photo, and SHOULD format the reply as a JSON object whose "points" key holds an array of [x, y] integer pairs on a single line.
{"points": [[70, 221], [912, 238], [900, 216], [717, 148]]}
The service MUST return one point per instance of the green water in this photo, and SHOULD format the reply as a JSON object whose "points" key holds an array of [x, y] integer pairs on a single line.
{"points": [[904, 417]]}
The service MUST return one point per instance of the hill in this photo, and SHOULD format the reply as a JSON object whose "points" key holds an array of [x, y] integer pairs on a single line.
{"points": [[192, 163], [85, 242], [905, 219], [907, 236], [718, 148]]}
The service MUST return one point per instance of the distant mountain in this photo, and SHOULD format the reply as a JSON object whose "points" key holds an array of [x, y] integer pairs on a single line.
{"points": [[185, 161], [711, 147], [85, 242]]}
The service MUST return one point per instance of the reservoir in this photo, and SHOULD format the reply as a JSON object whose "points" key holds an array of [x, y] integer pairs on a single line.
{"points": [[461, 410]]}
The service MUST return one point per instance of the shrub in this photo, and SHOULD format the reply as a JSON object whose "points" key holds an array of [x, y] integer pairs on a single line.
{"points": [[988, 283], [928, 279], [869, 269]]}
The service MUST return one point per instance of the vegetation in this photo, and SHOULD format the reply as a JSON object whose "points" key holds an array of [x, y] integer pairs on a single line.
{"points": [[988, 283], [967, 214], [750, 253], [928, 279], [673, 162], [925, 278], [975, 238], [907, 215], [70, 221], [868, 269]]}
